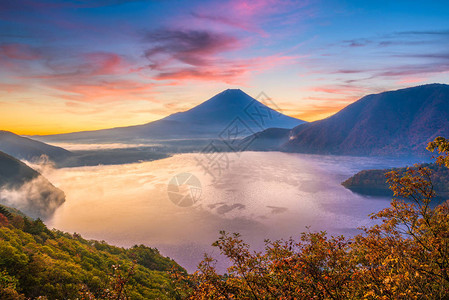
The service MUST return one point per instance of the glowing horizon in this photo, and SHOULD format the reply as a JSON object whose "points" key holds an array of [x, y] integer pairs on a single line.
{"points": [[56, 128], [68, 66]]}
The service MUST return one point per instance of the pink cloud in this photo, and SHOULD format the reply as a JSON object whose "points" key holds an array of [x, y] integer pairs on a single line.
{"points": [[203, 51], [75, 67], [228, 71], [19, 51], [17, 59], [12, 87], [230, 21], [407, 80], [229, 76], [341, 89], [256, 7], [105, 63], [192, 47], [180, 55], [87, 77], [104, 90], [250, 16]]}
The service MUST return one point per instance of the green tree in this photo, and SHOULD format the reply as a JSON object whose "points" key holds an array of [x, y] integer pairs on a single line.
{"points": [[38, 262]]}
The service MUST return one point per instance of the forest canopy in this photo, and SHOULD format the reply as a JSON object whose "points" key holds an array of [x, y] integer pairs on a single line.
{"points": [[38, 262]]}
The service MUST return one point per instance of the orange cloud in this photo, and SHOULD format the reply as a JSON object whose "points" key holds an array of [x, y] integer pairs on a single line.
{"points": [[324, 108], [318, 112], [87, 77]]}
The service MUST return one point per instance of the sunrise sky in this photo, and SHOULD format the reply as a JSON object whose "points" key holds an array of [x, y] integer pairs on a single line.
{"points": [[89, 64]]}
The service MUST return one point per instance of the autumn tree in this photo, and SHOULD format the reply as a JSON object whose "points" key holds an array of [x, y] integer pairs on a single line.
{"points": [[405, 255]]}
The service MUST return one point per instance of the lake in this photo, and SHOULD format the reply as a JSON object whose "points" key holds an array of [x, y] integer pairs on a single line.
{"points": [[259, 194]]}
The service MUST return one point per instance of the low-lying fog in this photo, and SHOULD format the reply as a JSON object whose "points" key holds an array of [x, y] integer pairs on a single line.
{"points": [[261, 195]]}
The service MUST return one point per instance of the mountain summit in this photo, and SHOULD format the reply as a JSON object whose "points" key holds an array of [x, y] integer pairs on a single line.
{"points": [[224, 107], [206, 120]]}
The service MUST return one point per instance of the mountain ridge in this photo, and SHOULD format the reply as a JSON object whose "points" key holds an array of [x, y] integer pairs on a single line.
{"points": [[393, 122], [29, 149]]}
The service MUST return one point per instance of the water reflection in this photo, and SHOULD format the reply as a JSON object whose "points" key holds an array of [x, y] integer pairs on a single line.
{"points": [[262, 195]]}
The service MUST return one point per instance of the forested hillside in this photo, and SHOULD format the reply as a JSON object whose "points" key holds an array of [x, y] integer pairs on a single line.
{"points": [[374, 182], [36, 261]]}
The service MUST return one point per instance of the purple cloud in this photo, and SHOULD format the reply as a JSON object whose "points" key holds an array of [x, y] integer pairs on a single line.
{"points": [[192, 47]]}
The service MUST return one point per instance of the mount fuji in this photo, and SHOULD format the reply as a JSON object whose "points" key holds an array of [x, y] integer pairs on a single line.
{"points": [[206, 120]]}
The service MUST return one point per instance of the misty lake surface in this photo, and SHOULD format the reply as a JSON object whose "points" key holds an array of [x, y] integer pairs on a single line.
{"points": [[260, 195]]}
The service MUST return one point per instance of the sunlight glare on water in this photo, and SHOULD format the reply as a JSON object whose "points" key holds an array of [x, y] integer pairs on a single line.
{"points": [[261, 195]]}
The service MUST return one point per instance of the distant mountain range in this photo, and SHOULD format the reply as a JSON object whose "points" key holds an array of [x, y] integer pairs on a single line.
{"points": [[28, 149], [25, 189], [271, 139], [390, 123], [398, 122], [206, 120], [32, 150]]}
